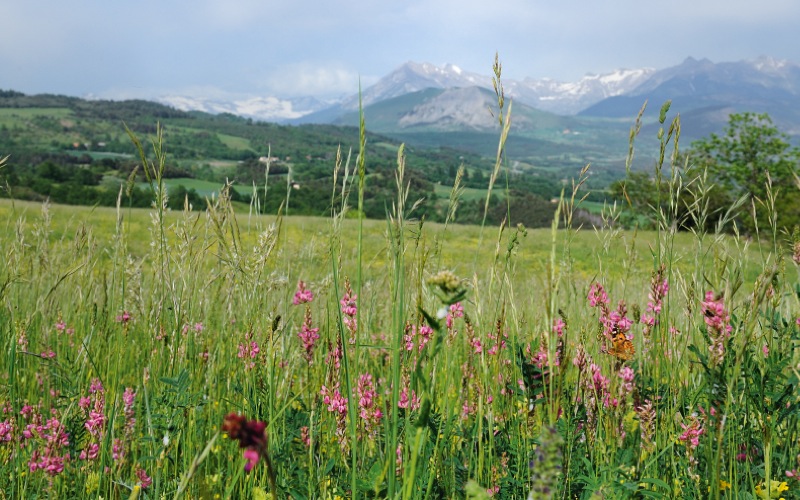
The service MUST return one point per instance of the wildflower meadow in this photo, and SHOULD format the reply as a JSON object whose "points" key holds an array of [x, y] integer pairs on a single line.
{"points": [[221, 354]]}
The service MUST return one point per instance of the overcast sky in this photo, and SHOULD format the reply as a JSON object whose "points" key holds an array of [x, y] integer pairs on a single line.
{"points": [[147, 48]]}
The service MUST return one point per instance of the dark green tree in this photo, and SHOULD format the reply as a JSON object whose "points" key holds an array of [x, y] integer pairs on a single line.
{"points": [[751, 153]]}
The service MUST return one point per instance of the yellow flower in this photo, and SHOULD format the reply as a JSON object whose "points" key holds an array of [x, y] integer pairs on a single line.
{"points": [[135, 492], [630, 422], [259, 494], [723, 485], [92, 482], [776, 488]]}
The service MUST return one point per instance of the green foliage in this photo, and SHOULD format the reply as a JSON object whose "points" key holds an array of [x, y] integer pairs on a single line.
{"points": [[753, 157], [721, 179]]}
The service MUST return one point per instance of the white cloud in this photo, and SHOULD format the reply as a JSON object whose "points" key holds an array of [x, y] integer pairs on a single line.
{"points": [[318, 79]]}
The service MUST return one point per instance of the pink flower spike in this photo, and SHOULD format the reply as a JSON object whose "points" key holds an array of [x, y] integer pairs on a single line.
{"points": [[558, 326], [144, 479], [302, 295]]}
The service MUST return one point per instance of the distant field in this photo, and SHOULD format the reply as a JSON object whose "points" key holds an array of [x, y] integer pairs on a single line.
{"points": [[233, 142], [387, 146], [595, 207], [203, 188], [99, 155], [463, 245], [10, 115], [221, 163]]}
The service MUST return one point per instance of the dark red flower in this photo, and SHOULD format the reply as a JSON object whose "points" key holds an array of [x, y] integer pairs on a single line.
{"points": [[249, 433]]}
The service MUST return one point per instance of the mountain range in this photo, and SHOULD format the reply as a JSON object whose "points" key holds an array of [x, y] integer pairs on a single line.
{"points": [[705, 91], [564, 98], [554, 124]]}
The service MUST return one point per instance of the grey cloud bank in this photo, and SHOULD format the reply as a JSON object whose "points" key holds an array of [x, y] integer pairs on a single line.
{"points": [[322, 48]]}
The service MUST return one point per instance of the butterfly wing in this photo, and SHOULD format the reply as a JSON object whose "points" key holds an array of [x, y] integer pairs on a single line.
{"points": [[622, 347]]}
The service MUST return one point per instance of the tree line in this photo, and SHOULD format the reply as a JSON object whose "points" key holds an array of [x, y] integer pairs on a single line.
{"points": [[751, 165]]}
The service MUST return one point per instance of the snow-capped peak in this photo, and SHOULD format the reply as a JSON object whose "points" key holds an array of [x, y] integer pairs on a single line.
{"points": [[571, 97], [259, 108], [767, 63], [452, 67], [545, 93]]}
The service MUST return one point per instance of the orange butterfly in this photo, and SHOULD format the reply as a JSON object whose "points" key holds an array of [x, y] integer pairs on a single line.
{"points": [[622, 347]]}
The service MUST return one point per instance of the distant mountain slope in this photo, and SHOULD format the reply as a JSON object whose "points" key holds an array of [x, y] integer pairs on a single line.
{"points": [[568, 98], [413, 77], [447, 110], [40, 125], [704, 90], [463, 119], [565, 98], [708, 92]]}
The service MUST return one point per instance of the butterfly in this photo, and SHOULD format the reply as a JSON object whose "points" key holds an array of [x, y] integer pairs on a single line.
{"points": [[622, 347]]}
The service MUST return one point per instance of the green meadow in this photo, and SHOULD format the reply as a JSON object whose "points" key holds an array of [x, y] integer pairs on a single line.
{"points": [[225, 353], [443, 361]]}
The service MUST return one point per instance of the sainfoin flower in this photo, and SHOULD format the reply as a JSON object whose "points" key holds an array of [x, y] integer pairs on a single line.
{"points": [[369, 409], [53, 452], [456, 311], [349, 310], [337, 405], [308, 336], [144, 479], [249, 351], [128, 399], [302, 295], [691, 433], [717, 322]]}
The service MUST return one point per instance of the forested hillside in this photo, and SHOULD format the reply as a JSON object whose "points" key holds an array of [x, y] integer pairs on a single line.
{"points": [[78, 151]]}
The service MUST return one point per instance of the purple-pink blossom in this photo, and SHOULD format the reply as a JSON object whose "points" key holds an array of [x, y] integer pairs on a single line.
{"points": [[144, 479], [302, 295], [717, 320], [597, 295], [691, 433], [456, 311], [308, 336]]}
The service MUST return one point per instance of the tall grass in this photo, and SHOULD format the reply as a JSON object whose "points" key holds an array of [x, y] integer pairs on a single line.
{"points": [[396, 359]]}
